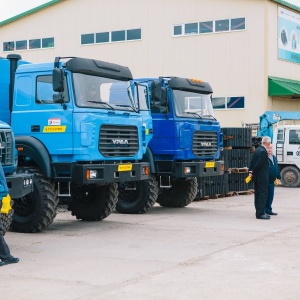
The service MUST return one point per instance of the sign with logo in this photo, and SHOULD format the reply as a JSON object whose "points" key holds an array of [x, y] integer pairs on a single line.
{"points": [[288, 35]]}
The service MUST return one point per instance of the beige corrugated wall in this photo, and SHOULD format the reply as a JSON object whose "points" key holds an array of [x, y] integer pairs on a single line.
{"points": [[234, 63]]}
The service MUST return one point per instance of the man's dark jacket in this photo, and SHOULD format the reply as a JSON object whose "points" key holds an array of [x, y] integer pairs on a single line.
{"points": [[274, 171], [259, 165]]}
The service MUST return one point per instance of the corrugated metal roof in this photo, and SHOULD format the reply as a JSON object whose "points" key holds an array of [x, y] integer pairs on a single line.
{"points": [[29, 12]]}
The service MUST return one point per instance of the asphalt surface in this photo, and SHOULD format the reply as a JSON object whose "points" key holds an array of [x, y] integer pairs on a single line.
{"points": [[212, 249]]}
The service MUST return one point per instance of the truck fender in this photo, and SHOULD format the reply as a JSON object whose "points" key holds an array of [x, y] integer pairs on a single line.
{"points": [[33, 148], [148, 157]]}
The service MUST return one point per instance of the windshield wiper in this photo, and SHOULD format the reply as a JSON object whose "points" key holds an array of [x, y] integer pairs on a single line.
{"points": [[124, 105], [192, 113], [210, 116], [101, 102]]}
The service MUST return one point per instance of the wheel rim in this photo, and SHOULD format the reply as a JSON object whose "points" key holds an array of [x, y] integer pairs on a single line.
{"points": [[24, 207], [129, 191], [290, 177]]}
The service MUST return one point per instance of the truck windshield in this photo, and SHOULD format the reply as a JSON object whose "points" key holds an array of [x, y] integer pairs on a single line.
{"points": [[103, 93], [189, 105]]}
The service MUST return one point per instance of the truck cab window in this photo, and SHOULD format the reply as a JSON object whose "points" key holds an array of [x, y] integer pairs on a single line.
{"points": [[44, 90], [294, 137]]}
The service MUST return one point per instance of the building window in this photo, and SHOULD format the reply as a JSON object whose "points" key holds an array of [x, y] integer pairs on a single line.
{"points": [[209, 27], [177, 30], [118, 36], [34, 44], [87, 39], [112, 36], [219, 102], [238, 24], [102, 37], [8, 46], [48, 43], [222, 25], [228, 102], [206, 27], [134, 34], [21, 45], [191, 28], [235, 102]]}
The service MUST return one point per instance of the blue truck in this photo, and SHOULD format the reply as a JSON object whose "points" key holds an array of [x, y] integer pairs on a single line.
{"points": [[75, 140], [185, 147]]}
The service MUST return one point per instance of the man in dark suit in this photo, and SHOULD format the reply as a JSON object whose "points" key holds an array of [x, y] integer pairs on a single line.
{"points": [[259, 171]]}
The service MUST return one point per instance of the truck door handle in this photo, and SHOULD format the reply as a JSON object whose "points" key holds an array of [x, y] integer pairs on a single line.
{"points": [[289, 153], [35, 128]]}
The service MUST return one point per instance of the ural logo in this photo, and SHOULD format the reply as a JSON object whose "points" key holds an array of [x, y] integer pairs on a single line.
{"points": [[207, 144], [120, 142]]}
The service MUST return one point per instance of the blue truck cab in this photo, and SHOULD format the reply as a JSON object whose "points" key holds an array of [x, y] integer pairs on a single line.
{"points": [[187, 139], [72, 135]]}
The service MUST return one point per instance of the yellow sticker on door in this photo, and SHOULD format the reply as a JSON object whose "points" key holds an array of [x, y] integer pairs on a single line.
{"points": [[54, 129]]}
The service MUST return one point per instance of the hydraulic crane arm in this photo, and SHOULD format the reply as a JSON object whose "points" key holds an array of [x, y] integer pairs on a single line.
{"points": [[269, 118]]}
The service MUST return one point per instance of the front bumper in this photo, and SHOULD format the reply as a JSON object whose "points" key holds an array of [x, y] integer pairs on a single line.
{"points": [[19, 185], [107, 173], [199, 169]]}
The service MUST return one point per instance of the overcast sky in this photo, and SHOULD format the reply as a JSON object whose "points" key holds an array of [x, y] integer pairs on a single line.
{"points": [[11, 8]]}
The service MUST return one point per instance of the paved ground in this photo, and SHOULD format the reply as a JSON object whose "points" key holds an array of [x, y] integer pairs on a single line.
{"points": [[212, 249]]}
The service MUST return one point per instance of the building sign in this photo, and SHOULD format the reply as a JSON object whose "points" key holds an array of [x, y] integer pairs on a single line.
{"points": [[288, 35]]}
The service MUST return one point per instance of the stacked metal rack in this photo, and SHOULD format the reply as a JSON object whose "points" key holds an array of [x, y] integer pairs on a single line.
{"points": [[236, 154]]}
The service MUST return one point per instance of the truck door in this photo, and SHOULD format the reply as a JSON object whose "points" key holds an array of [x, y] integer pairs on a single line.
{"points": [[278, 142], [37, 114], [293, 145]]}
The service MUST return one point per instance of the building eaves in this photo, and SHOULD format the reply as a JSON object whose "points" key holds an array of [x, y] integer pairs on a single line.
{"points": [[288, 4], [29, 12]]}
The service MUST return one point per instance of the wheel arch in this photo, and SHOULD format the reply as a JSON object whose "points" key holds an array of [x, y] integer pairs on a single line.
{"points": [[31, 147], [148, 157]]}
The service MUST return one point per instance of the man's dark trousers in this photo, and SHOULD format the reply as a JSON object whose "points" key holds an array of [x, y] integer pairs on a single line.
{"points": [[271, 189], [260, 197]]}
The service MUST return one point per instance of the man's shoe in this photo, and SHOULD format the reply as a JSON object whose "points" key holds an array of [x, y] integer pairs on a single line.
{"points": [[11, 260], [263, 217], [272, 214]]}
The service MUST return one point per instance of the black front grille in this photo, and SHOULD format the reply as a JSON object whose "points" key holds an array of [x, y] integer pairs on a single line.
{"points": [[118, 141], [205, 144], [6, 147]]}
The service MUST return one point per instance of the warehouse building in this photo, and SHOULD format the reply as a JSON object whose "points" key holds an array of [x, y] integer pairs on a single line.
{"points": [[248, 50]]}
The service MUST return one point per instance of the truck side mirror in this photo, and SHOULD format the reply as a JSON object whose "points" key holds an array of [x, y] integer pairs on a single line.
{"points": [[163, 100], [58, 80], [156, 90]]}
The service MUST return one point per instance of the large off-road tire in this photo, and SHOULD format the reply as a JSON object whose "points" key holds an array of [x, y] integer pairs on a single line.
{"points": [[37, 210], [137, 197], [93, 202], [181, 194], [290, 176], [7, 218]]}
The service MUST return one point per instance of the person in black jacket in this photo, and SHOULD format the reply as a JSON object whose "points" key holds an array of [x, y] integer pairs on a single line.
{"points": [[274, 173], [259, 171]]}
